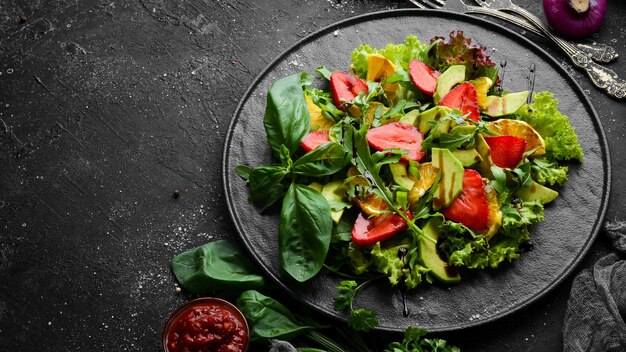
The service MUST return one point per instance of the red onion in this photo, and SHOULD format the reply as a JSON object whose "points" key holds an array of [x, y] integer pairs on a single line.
{"points": [[575, 18]]}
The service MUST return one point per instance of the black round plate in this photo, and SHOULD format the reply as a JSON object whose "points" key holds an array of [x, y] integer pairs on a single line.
{"points": [[571, 223]]}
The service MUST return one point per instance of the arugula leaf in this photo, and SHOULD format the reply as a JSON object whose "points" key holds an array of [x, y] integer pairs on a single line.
{"points": [[287, 119], [304, 232], [268, 318], [323, 72], [324, 160], [218, 265]]}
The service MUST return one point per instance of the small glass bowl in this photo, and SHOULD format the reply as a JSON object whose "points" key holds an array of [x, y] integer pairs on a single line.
{"points": [[200, 302]]}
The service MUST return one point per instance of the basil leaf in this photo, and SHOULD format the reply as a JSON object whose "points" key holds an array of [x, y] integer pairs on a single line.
{"points": [[287, 119], [304, 232], [268, 318], [265, 184], [219, 265], [324, 160], [243, 171]]}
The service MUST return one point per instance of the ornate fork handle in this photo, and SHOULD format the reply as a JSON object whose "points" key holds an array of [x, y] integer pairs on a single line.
{"points": [[598, 52], [600, 76]]}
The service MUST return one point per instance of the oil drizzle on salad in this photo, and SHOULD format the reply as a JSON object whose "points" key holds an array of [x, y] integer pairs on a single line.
{"points": [[531, 82], [502, 72], [405, 307]]}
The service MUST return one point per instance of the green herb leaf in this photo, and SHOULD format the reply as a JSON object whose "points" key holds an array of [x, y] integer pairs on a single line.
{"points": [[218, 265], [324, 160], [304, 232], [362, 319], [347, 291], [243, 171], [323, 72], [287, 119], [268, 318], [265, 185]]}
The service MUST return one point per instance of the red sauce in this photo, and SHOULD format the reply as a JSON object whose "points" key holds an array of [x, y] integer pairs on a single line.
{"points": [[207, 328]]}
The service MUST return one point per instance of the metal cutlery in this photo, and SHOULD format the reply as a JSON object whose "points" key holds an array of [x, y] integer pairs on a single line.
{"points": [[598, 52], [601, 77]]}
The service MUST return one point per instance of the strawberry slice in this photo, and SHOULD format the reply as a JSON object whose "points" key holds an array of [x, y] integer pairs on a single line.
{"points": [[314, 139], [423, 77], [506, 151], [397, 135], [345, 87], [367, 232], [470, 208], [463, 97]]}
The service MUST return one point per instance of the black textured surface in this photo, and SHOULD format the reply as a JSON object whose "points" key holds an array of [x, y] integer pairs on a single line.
{"points": [[572, 221], [108, 107]]}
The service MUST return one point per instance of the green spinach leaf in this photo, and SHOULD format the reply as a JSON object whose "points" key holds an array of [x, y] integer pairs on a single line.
{"points": [[268, 318], [304, 231], [216, 266], [324, 160], [287, 119], [265, 185]]}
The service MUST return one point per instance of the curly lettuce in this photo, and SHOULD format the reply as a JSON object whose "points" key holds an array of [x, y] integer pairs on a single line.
{"points": [[399, 54], [555, 128]]}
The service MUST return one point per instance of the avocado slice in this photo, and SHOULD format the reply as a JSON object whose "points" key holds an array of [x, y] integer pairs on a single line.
{"points": [[495, 214], [333, 192], [506, 104], [410, 117], [467, 157], [433, 114], [537, 191], [429, 256], [400, 176], [317, 186], [484, 166], [449, 78], [451, 181]]}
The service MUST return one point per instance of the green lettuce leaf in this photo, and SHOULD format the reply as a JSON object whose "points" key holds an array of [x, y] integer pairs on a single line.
{"points": [[547, 172], [555, 128], [399, 54]]}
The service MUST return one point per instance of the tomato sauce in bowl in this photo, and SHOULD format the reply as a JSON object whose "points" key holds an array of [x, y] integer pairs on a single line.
{"points": [[206, 325]]}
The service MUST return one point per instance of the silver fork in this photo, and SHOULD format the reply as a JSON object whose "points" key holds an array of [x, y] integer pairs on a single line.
{"points": [[596, 51], [601, 77]]}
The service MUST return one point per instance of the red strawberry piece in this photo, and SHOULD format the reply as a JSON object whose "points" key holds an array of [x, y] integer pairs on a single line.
{"points": [[345, 87], [470, 208], [367, 232], [423, 76], [314, 139], [397, 135], [463, 97], [506, 151]]}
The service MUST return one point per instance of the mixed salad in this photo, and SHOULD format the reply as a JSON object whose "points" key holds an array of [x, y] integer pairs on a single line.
{"points": [[416, 164]]}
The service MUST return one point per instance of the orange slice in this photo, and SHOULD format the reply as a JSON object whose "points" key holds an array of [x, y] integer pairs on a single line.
{"points": [[371, 204], [317, 118], [495, 214], [379, 67], [427, 175], [482, 85], [522, 129]]}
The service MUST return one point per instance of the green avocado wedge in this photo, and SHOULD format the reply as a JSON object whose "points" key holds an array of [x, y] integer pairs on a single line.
{"points": [[538, 192], [506, 104], [451, 182], [429, 256], [449, 78]]}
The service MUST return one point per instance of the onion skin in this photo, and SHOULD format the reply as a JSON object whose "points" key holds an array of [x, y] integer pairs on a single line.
{"points": [[564, 19]]}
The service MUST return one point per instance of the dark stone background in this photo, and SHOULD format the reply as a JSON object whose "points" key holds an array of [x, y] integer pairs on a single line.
{"points": [[107, 108]]}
